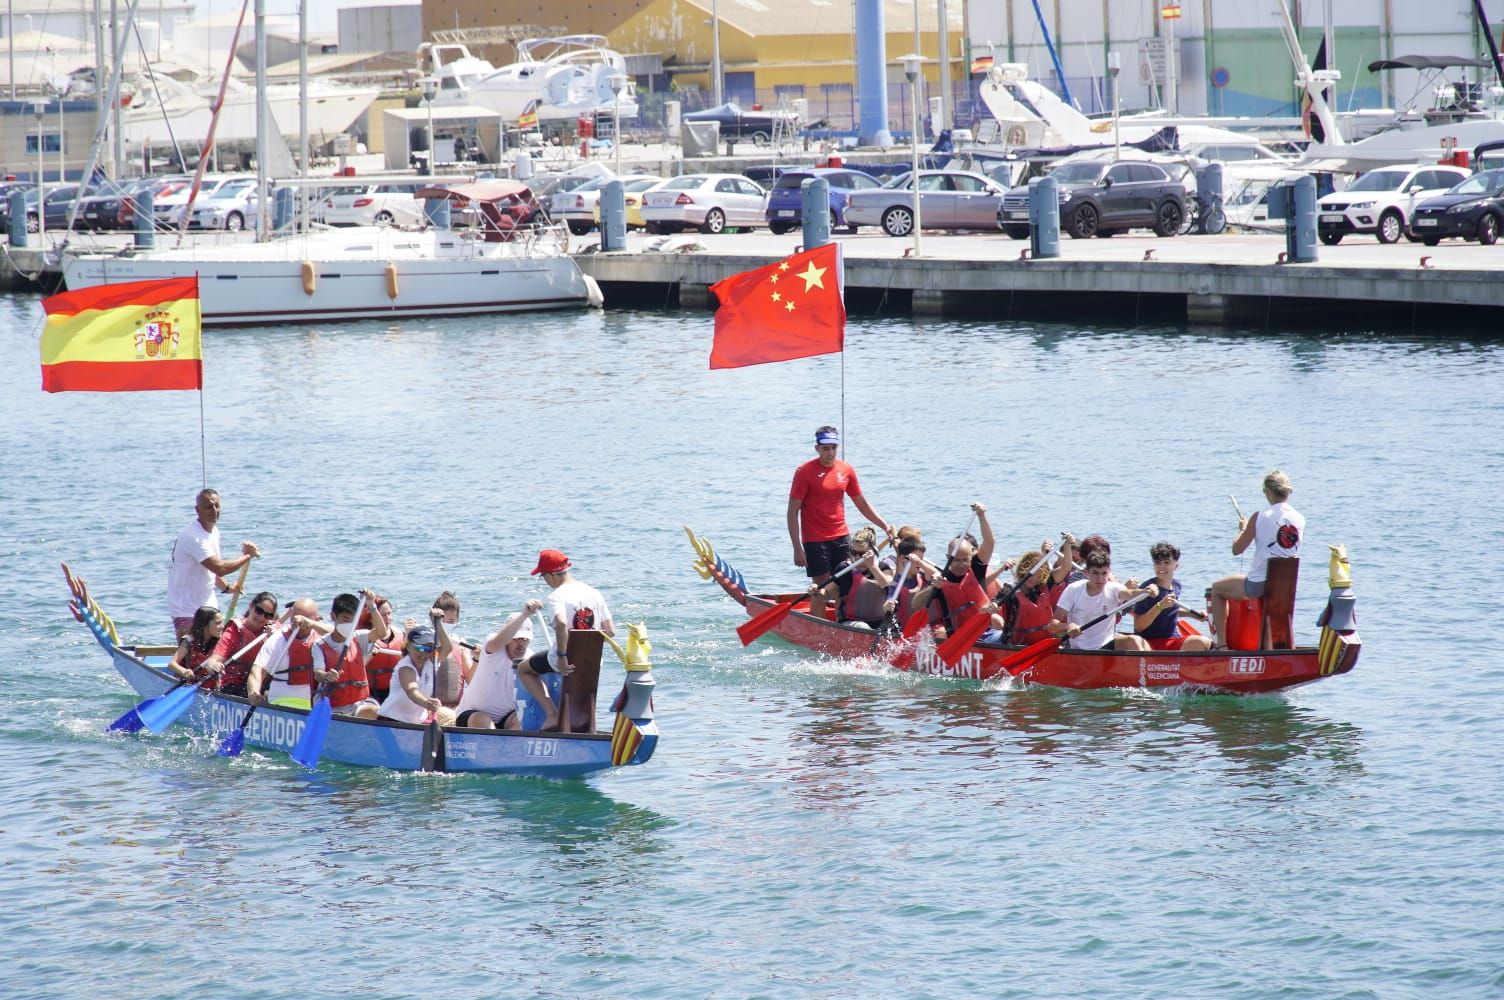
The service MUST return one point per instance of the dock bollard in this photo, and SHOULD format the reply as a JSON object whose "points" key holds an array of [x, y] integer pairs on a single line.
{"points": [[1300, 233], [1209, 195], [18, 232], [1044, 218], [144, 221], [613, 216], [814, 208]]}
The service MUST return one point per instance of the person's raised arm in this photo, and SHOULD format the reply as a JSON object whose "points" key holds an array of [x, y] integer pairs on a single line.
{"points": [[508, 632], [989, 541], [1246, 530], [222, 567], [442, 645], [379, 629]]}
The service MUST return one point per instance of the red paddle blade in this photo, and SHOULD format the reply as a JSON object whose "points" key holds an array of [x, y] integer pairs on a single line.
{"points": [[952, 649], [752, 629], [916, 622], [1017, 663]]}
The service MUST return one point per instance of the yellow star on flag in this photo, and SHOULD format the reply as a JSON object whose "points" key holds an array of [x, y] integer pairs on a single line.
{"points": [[777, 297], [789, 305], [812, 276], [784, 266], [773, 279]]}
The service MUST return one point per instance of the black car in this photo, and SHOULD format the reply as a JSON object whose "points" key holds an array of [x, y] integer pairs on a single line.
{"points": [[1102, 198], [1472, 210], [114, 205]]}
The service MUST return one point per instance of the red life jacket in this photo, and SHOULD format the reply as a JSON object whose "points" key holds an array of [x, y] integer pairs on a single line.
{"points": [[196, 658], [963, 601], [298, 670], [1032, 617], [382, 663], [352, 685], [237, 666]]}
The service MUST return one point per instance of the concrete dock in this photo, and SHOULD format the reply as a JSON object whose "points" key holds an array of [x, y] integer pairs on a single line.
{"points": [[1232, 279]]}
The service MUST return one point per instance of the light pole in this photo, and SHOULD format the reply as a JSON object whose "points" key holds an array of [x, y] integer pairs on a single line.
{"points": [[430, 91], [618, 84], [715, 53], [1114, 67], [911, 64]]}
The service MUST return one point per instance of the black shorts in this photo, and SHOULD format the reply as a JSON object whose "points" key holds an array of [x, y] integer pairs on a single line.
{"points": [[538, 663], [464, 720], [823, 558]]}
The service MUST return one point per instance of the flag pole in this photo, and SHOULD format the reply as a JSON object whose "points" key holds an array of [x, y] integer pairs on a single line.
{"points": [[843, 403], [203, 447]]}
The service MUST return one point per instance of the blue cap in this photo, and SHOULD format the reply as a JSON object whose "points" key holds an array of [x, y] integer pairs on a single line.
{"points": [[422, 635], [827, 437]]}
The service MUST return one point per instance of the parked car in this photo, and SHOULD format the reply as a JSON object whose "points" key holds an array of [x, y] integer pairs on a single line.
{"points": [[765, 174], [948, 199], [576, 208], [636, 187], [227, 208], [711, 203], [383, 204], [785, 209], [1103, 198], [115, 208], [738, 124], [1380, 202], [1472, 210], [56, 209], [168, 210]]}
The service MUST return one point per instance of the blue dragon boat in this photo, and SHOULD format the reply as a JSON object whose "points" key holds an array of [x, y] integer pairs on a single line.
{"points": [[400, 746]]}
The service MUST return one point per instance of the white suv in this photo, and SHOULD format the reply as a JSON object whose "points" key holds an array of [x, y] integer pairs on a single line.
{"points": [[377, 204], [1380, 202]]}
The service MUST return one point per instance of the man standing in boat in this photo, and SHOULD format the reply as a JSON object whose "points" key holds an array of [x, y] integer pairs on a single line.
{"points": [[1274, 533], [572, 604], [196, 569], [817, 516]]}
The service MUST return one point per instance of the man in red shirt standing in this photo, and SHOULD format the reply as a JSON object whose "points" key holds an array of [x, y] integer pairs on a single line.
{"points": [[817, 516]]}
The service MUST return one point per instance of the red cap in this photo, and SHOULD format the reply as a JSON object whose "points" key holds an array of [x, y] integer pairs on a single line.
{"points": [[551, 561]]}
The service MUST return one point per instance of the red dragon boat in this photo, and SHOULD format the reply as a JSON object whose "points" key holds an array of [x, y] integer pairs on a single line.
{"points": [[1240, 671]]}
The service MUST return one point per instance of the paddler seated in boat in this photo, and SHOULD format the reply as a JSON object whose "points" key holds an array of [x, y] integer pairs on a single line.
{"points": [[283, 671], [382, 653], [1090, 598], [233, 669], [490, 700], [411, 698], [194, 647], [1156, 619], [339, 666], [864, 599], [1274, 533], [817, 515], [455, 666], [1029, 603], [910, 567], [958, 592]]}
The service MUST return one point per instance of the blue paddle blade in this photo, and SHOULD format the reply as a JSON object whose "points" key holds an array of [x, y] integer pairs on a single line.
{"points": [[164, 711], [130, 722], [311, 744], [232, 744]]}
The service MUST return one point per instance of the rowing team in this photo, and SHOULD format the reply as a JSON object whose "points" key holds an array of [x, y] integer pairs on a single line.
{"points": [[1066, 591], [368, 668]]}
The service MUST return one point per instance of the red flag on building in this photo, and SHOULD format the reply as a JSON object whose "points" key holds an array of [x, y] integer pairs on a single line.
{"points": [[790, 309]]}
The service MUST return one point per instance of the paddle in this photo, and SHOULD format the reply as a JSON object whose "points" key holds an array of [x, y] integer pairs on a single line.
{"points": [[1235, 506], [165, 710], [432, 756], [310, 745], [234, 741], [239, 589], [1017, 663], [131, 722], [958, 642], [753, 629]]}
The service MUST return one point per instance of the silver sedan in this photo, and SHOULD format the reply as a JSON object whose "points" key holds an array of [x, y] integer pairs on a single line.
{"points": [[948, 199]]}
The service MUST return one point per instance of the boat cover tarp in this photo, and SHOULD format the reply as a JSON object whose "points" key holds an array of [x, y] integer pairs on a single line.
{"points": [[1426, 62], [478, 191]]}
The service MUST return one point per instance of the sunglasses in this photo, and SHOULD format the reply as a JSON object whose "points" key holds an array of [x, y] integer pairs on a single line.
{"points": [[265, 613], [423, 647]]}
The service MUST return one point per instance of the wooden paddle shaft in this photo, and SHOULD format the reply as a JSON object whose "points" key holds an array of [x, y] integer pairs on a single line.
{"points": [[239, 589]]}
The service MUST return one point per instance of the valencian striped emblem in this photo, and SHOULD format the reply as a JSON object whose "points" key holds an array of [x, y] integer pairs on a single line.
{"points": [[625, 739]]}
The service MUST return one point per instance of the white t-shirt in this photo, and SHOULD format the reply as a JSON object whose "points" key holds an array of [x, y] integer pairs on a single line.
{"points": [[1277, 531], [493, 688], [1081, 607], [580, 604], [189, 585], [272, 657], [398, 705]]}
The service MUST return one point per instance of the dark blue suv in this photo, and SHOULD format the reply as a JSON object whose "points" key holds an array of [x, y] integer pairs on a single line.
{"points": [[785, 201]]}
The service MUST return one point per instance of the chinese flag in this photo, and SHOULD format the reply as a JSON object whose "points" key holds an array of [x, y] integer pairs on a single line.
{"points": [[791, 309], [123, 338]]}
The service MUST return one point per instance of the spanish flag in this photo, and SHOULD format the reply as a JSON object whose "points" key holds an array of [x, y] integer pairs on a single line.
{"points": [[529, 116], [981, 64], [138, 335]]}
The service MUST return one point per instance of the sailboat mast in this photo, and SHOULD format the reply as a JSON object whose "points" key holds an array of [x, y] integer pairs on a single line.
{"points": [[262, 147], [303, 114]]}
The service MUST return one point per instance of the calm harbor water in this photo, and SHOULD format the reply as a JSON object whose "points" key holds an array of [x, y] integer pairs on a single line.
{"points": [[808, 828]]}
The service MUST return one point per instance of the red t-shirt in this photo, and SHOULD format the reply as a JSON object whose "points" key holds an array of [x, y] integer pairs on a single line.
{"points": [[231, 641], [823, 493]]}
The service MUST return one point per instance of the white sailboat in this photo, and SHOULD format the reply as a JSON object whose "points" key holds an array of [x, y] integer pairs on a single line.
{"points": [[366, 272], [567, 76]]}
